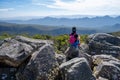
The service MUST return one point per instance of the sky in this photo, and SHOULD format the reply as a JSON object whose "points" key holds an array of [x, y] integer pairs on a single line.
{"points": [[21, 8]]}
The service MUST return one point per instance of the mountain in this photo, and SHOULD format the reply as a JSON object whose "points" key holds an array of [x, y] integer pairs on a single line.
{"points": [[54, 25], [94, 22], [31, 29], [109, 28]]}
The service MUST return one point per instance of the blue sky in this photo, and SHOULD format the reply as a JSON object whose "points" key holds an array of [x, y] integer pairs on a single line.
{"points": [[15, 8]]}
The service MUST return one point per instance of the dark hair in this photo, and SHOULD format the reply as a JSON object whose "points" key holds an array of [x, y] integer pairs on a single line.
{"points": [[73, 30]]}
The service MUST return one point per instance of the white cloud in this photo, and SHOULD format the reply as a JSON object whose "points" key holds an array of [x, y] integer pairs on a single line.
{"points": [[39, 4], [87, 6], [6, 9]]}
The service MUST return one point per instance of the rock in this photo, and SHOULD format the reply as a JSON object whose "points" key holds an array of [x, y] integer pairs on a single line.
{"points": [[76, 69], [42, 65], [88, 58], [107, 67], [14, 51], [71, 53], [101, 78], [7, 73], [77, 52], [108, 71], [102, 43], [33, 42], [84, 47], [61, 58], [1, 42], [97, 59]]}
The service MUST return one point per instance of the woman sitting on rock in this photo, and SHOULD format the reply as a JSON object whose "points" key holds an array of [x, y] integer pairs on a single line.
{"points": [[74, 38], [73, 50]]}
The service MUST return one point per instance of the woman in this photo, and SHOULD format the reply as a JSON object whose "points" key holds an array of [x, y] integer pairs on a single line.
{"points": [[74, 38]]}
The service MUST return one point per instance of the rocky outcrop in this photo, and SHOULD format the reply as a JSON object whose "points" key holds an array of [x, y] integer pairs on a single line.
{"points": [[42, 65], [20, 55], [15, 51], [102, 43], [24, 58], [72, 52], [108, 70], [76, 69], [107, 67]]}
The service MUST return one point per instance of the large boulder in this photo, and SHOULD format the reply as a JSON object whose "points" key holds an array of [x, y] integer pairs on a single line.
{"points": [[102, 43], [42, 65], [35, 43], [108, 70], [76, 69], [107, 67], [15, 53], [73, 52]]}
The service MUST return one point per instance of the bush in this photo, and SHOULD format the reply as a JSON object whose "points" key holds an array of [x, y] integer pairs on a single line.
{"points": [[4, 35], [44, 37], [61, 42]]}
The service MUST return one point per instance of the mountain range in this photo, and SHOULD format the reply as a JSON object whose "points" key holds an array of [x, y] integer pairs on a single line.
{"points": [[80, 22], [50, 25], [13, 28]]}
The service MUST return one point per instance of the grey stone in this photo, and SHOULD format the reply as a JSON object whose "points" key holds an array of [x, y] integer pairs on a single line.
{"points": [[35, 43], [42, 65], [76, 69], [71, 53], [84, 47], [107, 67], [102, 43], [106, 58], [7, 73], [77, 52], [61, 58], [108, 71], [13, 52], [101, 78]]}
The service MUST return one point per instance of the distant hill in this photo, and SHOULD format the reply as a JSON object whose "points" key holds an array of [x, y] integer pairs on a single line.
{"points": [[109, 28], [116, 33], [39, 29], [101, 24], [94, 22]]}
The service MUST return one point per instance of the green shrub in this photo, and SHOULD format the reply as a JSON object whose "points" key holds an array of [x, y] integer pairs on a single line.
{"points": [[5, 35], [61, 42]]}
